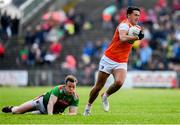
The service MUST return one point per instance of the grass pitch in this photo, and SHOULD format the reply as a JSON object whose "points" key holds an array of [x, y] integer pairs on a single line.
{"points": [[127, 106]]}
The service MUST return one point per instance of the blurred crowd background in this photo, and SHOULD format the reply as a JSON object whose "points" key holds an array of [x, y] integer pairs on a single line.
{"points": [[71, 37]]}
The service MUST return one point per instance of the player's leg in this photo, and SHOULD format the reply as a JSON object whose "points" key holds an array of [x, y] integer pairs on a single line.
{"points": [[27, 106], [32, 105], [119, 78], [23, 108], [101, 79]]}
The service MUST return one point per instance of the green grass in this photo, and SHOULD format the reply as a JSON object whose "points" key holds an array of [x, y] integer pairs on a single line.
{"points": [[128, 106]]}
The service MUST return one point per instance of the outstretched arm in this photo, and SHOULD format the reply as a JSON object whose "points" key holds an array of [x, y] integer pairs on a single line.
{"points": [[52, 101], [73, 110]]}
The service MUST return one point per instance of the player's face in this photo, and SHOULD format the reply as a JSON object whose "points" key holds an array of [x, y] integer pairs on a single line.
{"points": [[134, 17], [70, 87]]}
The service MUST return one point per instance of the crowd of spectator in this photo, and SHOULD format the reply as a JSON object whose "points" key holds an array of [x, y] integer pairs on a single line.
{"points": [[9, 26], [159, 50], [43, 44]]}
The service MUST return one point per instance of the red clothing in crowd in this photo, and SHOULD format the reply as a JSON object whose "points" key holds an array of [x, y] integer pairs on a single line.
{"points": [[2, 49]]}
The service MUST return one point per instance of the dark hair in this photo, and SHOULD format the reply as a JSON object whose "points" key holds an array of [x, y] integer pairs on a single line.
{"points": [[70, 78], [130, 9]]}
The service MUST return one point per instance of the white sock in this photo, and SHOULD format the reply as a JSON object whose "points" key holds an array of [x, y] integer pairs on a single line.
{"points": [[105, 95], [88, 106], [14, 109]]}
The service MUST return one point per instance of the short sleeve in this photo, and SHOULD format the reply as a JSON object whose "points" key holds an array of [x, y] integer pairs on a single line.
{"points": [[55, 91], [123, 26]]}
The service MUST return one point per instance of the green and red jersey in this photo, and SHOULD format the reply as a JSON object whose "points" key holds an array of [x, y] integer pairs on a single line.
{"points": [[64, 99]]}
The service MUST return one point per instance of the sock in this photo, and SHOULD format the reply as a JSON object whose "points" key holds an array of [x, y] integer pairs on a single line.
{"points": [[105, 94], [88, 106], [14, 109]]}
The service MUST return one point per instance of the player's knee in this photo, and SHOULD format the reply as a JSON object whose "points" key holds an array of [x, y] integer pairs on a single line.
{"points": [[119, 83]]}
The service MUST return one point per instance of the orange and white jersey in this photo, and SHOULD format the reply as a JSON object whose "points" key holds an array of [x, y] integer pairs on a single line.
{"points": [[119, 51]]}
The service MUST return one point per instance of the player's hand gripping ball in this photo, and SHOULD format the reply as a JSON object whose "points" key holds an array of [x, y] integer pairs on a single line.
{"points": [[135, 31]]}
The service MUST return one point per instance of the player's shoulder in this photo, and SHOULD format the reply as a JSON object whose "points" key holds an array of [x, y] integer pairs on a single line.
{"points": [[125, 22], [60, 87], [123, 26]]}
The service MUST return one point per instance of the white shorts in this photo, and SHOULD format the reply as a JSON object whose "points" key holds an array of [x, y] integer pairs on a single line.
{"points": [[38, 105], [107, 65]]}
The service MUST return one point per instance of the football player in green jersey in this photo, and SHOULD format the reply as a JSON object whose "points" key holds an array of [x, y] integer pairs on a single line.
{"points": [[52, 102]]}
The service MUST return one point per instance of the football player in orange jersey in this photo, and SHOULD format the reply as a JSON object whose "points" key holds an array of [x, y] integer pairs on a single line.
{"points": [[114, 61]]}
